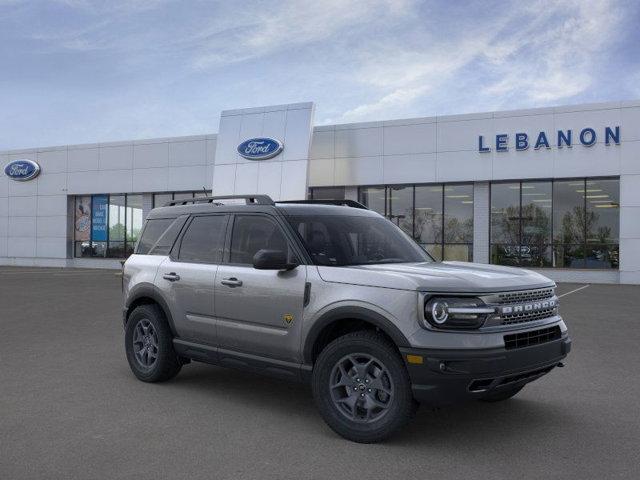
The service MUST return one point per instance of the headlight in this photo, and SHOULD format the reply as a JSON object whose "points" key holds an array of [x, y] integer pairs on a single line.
{"points": [[456, 312]]}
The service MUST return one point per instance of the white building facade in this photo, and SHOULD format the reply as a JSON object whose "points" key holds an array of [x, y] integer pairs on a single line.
{"points": [[553, 189]]}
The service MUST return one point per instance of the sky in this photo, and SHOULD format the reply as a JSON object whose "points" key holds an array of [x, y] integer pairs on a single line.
{"points": [[80, 71]]}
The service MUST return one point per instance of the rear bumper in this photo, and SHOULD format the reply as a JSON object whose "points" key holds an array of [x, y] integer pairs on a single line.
{"points": [[451, 376]]}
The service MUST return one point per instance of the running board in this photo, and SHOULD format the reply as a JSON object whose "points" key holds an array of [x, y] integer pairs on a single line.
{"points": [[243, 361]]}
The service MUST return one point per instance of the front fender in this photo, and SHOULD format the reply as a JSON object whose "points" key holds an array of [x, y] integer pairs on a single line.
{"points": [[351, 312]]}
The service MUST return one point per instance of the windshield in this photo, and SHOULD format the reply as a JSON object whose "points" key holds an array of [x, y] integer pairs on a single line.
{"points": [[341, 240]]}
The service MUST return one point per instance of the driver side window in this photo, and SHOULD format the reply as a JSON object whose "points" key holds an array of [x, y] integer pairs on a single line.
{"points": [[252, 233]]}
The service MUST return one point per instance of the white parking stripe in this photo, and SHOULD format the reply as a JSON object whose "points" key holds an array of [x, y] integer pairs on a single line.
{"points": [[573, 291]]}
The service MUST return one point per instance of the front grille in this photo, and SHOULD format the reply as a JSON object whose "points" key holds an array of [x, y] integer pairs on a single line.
{"points": [[525, 296], [534, 337], [522, 317]]}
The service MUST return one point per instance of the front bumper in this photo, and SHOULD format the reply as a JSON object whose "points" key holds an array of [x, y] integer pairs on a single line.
{"points": [[448, 376]]}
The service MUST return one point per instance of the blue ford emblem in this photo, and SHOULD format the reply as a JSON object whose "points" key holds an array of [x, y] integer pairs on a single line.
{"points": [[260, 148], [22, 170]]}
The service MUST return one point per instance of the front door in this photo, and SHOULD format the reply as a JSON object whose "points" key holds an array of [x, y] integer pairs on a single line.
{"points": [[259, 311], [188, 277]]}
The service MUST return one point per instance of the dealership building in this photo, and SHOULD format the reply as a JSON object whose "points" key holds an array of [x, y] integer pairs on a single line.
{"points": [[553, 189]]}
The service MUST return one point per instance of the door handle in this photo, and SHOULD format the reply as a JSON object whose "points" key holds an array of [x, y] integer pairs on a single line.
{"points": [[172, 277], [231, 282]]}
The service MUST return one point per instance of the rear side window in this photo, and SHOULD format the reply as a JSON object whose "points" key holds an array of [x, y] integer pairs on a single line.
{"points": [[152, 232], [168, 238], [203, 241]]}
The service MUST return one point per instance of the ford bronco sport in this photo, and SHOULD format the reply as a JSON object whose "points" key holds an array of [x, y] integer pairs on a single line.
{"points": [[334, 294]]}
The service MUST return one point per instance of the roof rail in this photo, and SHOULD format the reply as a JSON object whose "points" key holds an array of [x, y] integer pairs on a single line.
{"points": [[343, 203], [249, 199]]}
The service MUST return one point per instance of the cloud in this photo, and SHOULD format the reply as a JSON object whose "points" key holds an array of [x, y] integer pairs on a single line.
{"points": [[543, 52], [124, 69], [288, 24], [555, 63]]}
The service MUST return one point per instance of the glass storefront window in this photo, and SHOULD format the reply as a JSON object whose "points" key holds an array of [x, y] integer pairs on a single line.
{"points": [[536, 201], [439, 217], [161, 199], [117, 219], [373, 198], [428, 218], [107, 225], [568, 212], [327, 193], [505, 223], [134, 221], [82, 226], [562, 224], [400, 207], [458, 222], [603, 223]]}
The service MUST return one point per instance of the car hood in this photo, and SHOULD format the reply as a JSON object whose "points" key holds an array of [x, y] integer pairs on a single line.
{"points": [[437, 277]]}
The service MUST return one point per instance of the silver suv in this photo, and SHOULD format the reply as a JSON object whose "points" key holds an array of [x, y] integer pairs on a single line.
{"points": [[331, 293]]}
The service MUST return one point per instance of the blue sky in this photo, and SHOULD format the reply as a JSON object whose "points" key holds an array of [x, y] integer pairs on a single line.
{"points": [[77, 71]]}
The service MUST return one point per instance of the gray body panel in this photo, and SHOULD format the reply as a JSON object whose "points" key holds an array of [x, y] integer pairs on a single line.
{"points": [[251, 317], [191, 298]]}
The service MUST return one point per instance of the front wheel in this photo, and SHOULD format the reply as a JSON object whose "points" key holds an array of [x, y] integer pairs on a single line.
{"points": [[362, 388], [149, 345]]}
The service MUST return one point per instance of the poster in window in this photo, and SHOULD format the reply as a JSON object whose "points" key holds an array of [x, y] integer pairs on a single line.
{"points": [[99, 218], [83, 219]]}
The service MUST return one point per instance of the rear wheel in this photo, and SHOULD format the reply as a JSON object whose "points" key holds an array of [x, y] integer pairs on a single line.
{"points": [[362, 387], [501, 395], [149, 345]]}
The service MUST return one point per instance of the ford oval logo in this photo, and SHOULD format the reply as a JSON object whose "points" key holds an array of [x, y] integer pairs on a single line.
{"points": [[260, 148], [22, 170]]}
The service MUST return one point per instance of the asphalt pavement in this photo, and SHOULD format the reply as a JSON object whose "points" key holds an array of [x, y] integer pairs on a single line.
{"points": [[71, 409]]}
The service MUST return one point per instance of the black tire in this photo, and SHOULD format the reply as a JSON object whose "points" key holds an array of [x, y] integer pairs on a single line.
{"points": [[166, 363], [502, 395], [400, 404]]}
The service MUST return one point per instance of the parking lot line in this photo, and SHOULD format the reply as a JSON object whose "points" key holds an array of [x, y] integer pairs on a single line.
{"points": [[573, 291]]}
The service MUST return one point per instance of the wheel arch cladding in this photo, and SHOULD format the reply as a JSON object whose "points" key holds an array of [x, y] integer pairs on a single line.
{"points": [[346, 319], [148, 295]]}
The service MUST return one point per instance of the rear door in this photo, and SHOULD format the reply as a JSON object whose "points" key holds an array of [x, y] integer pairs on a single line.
{"points": [[187, 277], [259, 311]]}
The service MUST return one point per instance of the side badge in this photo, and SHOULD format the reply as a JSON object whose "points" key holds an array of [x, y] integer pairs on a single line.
{"points": [[288, 318]]}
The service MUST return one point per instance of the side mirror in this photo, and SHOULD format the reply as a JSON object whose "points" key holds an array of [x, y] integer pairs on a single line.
{"points": [[272, 260]]}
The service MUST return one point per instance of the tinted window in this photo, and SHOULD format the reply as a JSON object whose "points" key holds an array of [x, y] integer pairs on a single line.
{"points": [[152, 232], [168, 238], [252, 233], [345, 240], [204, 240]]}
